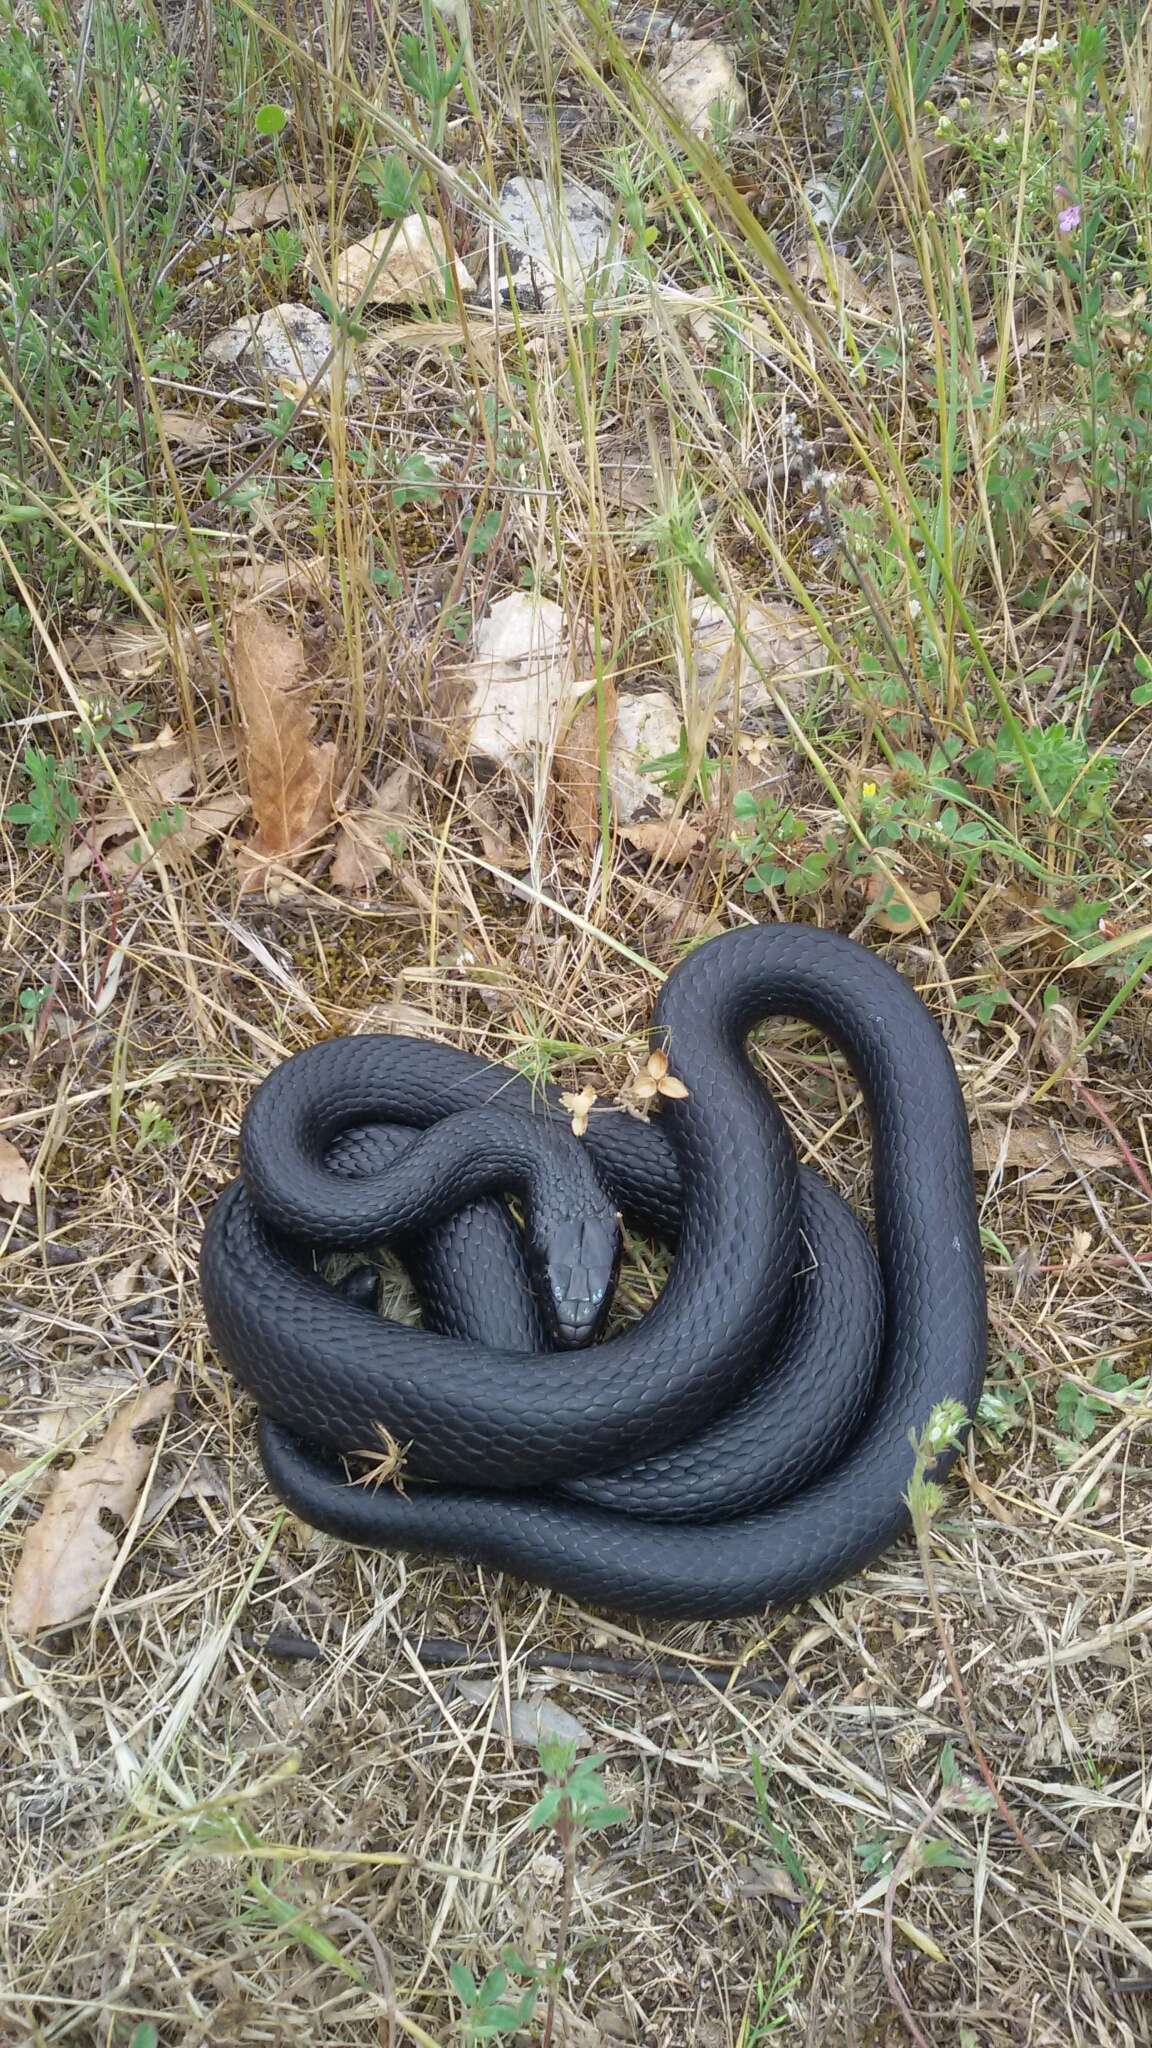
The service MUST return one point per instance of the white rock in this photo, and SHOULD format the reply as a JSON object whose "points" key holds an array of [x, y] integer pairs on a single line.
{"points": [[784, 653], [647, 728], [523, 679], [401, 263], [551, 239], [700, 82], [533, 1719], [289, 345]]}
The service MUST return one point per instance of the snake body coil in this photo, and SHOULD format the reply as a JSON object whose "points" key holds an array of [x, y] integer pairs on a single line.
{"points": [[747, 1442]]}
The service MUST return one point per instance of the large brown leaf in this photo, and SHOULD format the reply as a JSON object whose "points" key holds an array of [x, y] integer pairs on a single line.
{"points": [[15, 1175], [371, 840], [70, 1552], [290, 778]]}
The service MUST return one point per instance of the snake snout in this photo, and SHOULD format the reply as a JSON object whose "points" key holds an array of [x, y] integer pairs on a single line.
{"points": [[577, 1275]]}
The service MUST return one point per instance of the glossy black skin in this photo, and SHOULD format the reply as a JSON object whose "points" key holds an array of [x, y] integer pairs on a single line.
{"points": [[586, 1474]]}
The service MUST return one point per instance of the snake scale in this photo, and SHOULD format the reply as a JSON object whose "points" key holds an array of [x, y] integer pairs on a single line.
{"points": [[743, 1444]]}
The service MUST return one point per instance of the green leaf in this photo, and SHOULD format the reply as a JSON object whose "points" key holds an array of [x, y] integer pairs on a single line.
{"points": [[873, 1855], [998, 1410], [602, 1817], [982, 766], [271, 120], [480, 533], [513, 1960], [547, 1807], [557, 1757], [392, 183], [1076, 1412], [937, 1855], [464, 1984], [414, 481]]}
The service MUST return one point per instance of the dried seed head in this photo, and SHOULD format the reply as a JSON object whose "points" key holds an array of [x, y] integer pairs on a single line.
{"points": [[580, 1105]]}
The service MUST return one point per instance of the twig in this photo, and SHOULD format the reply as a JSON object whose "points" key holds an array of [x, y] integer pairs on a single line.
{"points": [[443, 1653], [1097, 1107]]}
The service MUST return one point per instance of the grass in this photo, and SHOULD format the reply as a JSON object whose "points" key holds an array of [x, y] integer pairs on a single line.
{"points": [[880, 351]]}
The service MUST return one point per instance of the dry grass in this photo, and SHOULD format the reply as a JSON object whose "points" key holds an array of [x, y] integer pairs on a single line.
{"points": [[231, 1845]]}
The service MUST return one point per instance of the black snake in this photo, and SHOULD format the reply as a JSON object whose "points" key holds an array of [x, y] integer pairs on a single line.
{"points": [[748, 1440]]}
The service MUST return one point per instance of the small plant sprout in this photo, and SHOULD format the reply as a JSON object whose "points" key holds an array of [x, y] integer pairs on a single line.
{"points": [[574, 1804], [153, 1128], [51, 807], [944, 1432]]}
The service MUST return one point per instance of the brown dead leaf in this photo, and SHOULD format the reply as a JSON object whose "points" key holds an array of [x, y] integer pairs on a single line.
{"points": [[69, 1553], [261, 206], [195, 830], [130, 652], [46, 1429], [688, 922], [1058, 1036], [162, 769], [495, 837], [776, 652], [200, 1481], [1051, 522], [825, 269], [407, 1020], [122, 1285], [892, 913], [306, 577], [15, 1176], [159, 827], [576, 765], [370, 840], [674, 840], [189, 430], [290, 777], [1045, 328], [1046, 1155]]}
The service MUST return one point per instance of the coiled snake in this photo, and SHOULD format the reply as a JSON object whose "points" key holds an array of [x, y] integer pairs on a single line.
{"points": [[748, 1440]]}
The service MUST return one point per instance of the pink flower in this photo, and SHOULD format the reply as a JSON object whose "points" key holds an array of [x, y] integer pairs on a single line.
{"points": [[1068, 220]]}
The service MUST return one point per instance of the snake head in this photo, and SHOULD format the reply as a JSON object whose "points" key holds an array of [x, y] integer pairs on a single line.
{"points": [[574, 1269]]}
